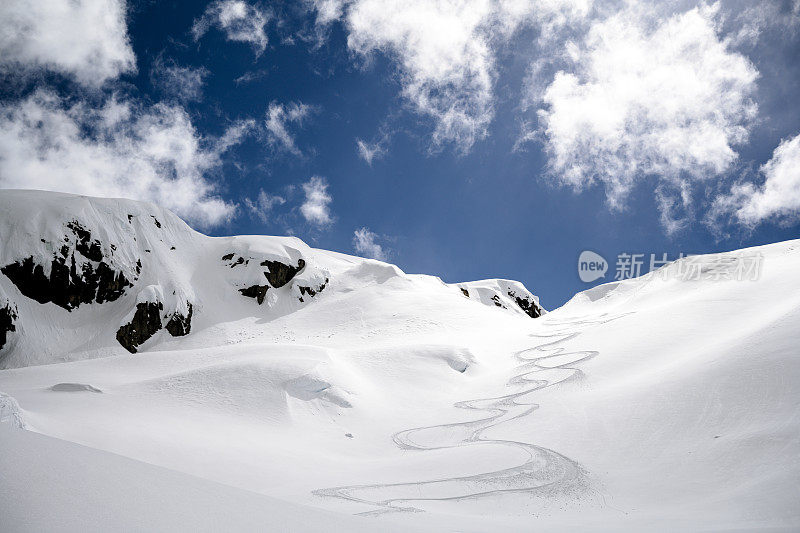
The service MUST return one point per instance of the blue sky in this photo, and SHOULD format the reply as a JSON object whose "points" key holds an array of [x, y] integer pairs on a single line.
{"points": [[506, 137]]}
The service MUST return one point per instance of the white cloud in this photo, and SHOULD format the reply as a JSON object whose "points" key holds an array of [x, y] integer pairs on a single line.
{"points": [[182, 83], [250, 76], [239, 20], [262, 206], [648, 98], [755, 19], [316, 207], [371, 151], [327, 11], [446, 51], [119, 149], [86, 39], [278, 119], [445, 60], [365, 245], [779, 196], [674, 203]]}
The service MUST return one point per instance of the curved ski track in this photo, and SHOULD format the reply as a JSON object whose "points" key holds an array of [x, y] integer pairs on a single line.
{"points": [[545, 471]]}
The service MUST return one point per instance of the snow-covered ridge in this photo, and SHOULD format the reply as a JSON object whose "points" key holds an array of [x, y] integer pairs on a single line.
{"points": [[87, 277]]}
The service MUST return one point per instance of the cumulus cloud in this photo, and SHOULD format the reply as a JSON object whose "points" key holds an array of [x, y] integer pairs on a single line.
{"points": [[779, 196], [182, 83], [239, 21], [364, 243], [316, 207], [445, 60], [262, 206], [85, 39], [446, 51], [648, 98], [119, 149], [279, 117]]}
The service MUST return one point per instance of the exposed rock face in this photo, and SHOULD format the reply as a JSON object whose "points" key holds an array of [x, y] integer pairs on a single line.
{"points": [[530, 307], [73, 281], [304, 290], [180, 325], [464, 291], [233, 264], [255, 291], [7, 317], [84, 243], [145, 323], [280, 274]]}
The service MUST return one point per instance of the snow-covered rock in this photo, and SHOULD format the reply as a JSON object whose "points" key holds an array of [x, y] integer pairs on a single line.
{"points": [[503, 293]]}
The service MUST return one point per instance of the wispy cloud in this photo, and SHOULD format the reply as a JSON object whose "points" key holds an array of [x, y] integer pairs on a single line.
{"points": [[279, 118], [250, 76], [370, 152], [87, 40], [365, 244], [240, 21], [262, 206], [316, 207], [182, 83]]}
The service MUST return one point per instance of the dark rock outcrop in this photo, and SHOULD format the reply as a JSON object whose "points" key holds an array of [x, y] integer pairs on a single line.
{"points": [[234, 263], [72, 281], [464, 291], [304, 290], [255, 291], [67, 287], [90, 249], [145, 323], [280, 274], [7, 317], [180, 325], [529, 306]]}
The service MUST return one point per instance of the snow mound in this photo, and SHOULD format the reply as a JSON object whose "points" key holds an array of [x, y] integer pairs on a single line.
{"points": [[74, 387], [505, 294]]}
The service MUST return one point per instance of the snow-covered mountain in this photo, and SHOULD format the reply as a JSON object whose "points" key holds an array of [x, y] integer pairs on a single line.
{"points": [[172, 381], [87, 277]]}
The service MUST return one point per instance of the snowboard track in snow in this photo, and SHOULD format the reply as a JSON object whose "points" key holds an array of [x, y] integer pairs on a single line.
{"points": [[545, 472]]}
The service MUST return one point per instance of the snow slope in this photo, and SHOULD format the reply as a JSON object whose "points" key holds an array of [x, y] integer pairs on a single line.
{"points": [[657, 403], [84, 489]]}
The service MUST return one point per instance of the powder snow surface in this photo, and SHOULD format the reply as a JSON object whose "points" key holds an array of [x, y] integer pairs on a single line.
{"points": [[393, 402]]}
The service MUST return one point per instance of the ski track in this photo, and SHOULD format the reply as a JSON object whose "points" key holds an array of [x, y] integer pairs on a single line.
{"points": [[545, 472]]}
